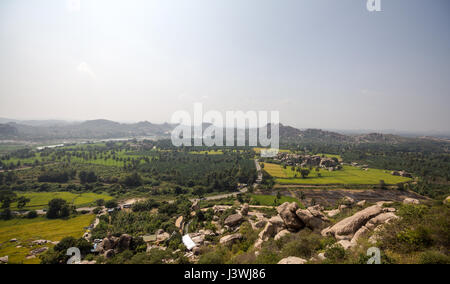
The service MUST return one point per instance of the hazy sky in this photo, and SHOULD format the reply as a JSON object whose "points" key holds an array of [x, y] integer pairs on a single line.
{"points": [[321, 63]]}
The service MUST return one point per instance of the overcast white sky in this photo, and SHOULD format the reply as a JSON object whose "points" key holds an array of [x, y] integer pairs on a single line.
{"points": [[321, 63]]}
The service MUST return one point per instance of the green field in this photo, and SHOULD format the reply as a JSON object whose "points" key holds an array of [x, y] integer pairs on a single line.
{"points": [[27, 230], [268, 200], [39, 200], [348, 175]]}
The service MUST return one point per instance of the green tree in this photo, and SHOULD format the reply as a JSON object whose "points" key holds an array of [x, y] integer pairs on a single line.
{"points": [[58, 208]]}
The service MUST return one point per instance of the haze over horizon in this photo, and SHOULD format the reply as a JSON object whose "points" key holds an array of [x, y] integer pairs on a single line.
{"points": [[322, 63]]}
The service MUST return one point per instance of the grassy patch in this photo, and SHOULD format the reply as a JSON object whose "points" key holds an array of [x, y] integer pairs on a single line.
{"points": [[348, 175], [39, 200], [28, 230], [269, 200]]}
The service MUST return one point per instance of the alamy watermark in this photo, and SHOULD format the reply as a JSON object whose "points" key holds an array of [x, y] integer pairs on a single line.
{"points": [[373, 5], [375, 255], [190, 130]]}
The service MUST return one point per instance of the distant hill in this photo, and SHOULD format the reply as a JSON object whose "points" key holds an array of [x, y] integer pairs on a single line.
{"points": [[93, 129], [106, 129], [8, 131]]}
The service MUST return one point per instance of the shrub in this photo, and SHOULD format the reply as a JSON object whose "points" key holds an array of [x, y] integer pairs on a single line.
{"points": [[434, 257], [32, 214], [335, 254]]}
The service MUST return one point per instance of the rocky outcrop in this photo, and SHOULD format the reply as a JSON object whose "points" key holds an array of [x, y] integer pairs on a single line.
{"points": [[312, 217], [292, 260], [230, 239], [40, 242], [117, 244], [38, 251], [197, 238], [179, 223], [162, 236], [349, 230], [345, 244], [287, 212], [345, 229], [347, 201], [244, 209], [124, 242], [383, 218], [109, 254], [332, 213], [281, 234], [219, 209], [361, 203], [4, 259], [233, 220], [195, 206], [411, 201]]}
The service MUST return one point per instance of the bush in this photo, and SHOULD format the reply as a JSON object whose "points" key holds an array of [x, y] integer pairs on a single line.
{"points": [[303, 244], [58, 208], [32, 214], [335, 254], [111, 204], [434, 257]]}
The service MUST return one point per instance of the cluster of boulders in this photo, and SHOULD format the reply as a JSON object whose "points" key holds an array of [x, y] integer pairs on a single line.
{"points": [[290, 219], [350, 229], [112, 245]]}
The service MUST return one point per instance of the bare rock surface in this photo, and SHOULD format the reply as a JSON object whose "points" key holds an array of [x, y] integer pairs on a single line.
{"points": [[287, 212], [292, 260], [233, 220], [230, 239], [345, 229]]}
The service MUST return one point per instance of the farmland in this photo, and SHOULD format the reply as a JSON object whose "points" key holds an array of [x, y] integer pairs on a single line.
{"points": [[347, 175], [39, 200], [28, 230]]}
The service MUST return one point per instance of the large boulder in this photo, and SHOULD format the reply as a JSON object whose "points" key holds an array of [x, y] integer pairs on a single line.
{"points": [[219, 209], [347, 201], [287, 212], [109, 253], [292, 260], [4, 259], [179, 222], [162, 237], [281, 234], [312, 217], [345, 244], [107, 244], [277, 222], [345, 229], [233, 220], [198, 238], [258, 244], [244, 209], [260, 224], [332, 213], [268, 232], [230, 239], [361, 203], [124, 242], [381, 219], [362, 231], [273, 227]]}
